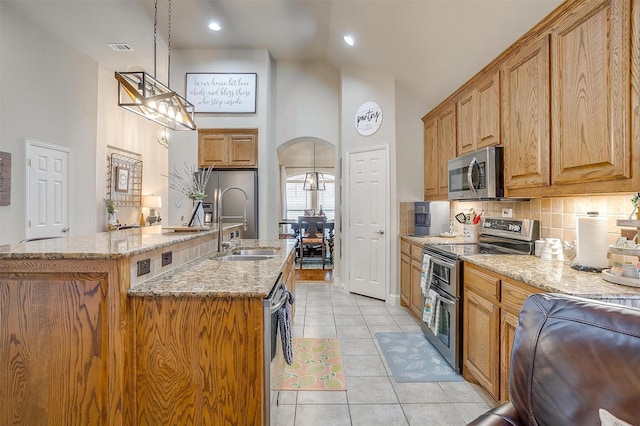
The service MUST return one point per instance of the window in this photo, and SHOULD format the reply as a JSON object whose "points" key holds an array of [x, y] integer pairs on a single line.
{"points": [[298, 200]]}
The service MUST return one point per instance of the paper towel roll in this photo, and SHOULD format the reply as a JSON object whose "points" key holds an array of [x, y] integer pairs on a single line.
{"points": [[592, 241]]}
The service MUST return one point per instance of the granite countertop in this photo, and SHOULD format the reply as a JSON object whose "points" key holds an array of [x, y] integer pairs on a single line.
{"points": [[208, 277], [550, 276], [103, 245]]}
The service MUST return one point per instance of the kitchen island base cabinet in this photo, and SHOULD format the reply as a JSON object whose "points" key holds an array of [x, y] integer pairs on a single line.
{"points": [[491, 306], [198, 360]]}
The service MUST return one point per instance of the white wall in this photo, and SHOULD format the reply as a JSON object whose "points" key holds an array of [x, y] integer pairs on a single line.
{"points": [[48, 92], [308, 101], [409, 146]]}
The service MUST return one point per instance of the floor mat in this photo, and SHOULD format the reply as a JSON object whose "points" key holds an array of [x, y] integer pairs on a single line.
{"points": [[413, 359], [317, 365]]}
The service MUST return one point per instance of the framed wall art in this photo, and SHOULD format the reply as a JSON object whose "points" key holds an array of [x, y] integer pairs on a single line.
{"points": [[122, 179], [230, 93]]}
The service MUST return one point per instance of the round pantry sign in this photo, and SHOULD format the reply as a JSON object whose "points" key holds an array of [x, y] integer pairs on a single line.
{"points": [[368, 118]]}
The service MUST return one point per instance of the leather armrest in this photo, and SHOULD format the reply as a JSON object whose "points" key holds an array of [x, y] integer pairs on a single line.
{"points": [[503, 415]]}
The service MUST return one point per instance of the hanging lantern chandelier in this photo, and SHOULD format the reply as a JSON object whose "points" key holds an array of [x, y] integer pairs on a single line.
{"points": [[314, 181], [143, 94]]}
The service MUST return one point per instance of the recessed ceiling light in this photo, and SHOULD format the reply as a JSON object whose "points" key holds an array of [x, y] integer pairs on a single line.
{"points": [[349, 40], [214, 26]]}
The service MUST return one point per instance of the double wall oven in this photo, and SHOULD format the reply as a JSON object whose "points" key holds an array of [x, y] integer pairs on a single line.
{"points": [[497, 236]]}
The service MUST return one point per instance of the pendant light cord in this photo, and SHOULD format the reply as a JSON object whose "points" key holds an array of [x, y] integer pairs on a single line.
{"points": [[155, 34], [169, 49]]}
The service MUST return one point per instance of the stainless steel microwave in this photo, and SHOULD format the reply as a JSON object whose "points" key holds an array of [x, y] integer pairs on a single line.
{"points": [[477, 175]]}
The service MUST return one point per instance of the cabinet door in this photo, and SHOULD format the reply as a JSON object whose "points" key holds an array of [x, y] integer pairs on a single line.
{"points": [[508, 325], [430, 158], [525, 116], [416, 291], [488, 105], [243, 150], [591, 68], [212, 149], [480, 336], [467, 121], [405, 280], [446, 145]]}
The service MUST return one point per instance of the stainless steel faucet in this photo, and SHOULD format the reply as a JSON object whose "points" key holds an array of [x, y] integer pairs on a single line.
{"points": [[221, 218]]}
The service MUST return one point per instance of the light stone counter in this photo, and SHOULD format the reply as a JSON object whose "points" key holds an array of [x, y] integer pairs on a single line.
{"points": [[103, 245], [208, 277], [433, 239], [556, 277]]}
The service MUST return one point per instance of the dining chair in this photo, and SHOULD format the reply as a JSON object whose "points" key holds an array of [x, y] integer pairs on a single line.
{"points": [[312, 237]]}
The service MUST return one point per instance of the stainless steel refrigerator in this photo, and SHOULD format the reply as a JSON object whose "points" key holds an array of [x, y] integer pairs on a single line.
{"points": [[233, 203]]}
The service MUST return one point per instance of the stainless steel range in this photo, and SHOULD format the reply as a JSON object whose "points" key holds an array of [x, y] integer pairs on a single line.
{"points": [[497, 236]]}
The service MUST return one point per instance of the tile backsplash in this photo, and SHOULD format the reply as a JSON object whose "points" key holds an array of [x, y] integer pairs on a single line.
{"points": [[557, 216]]}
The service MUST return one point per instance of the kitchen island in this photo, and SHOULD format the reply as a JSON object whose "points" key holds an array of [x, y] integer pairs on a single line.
{"points": [[69, 328]]}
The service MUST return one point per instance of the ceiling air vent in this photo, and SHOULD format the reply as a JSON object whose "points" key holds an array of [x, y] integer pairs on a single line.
{"points": [[120, 47]]}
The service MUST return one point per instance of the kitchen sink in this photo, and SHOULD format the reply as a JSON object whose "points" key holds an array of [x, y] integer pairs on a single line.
{"points": [[242, 257], [257, 252]]}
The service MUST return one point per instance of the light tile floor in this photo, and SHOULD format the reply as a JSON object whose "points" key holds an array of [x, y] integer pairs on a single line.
{"points": [[373, 397]]}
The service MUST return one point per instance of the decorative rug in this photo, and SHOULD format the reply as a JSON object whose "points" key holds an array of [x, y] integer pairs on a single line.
{"points": [[412, 358], [317, 365]]}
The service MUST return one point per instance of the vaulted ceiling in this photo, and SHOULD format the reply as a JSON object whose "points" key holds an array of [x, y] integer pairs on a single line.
{"points": [[429, 46]]}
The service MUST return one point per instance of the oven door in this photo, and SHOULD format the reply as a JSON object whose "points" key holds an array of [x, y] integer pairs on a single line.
{"points": [[445, 273], [447, 340]]}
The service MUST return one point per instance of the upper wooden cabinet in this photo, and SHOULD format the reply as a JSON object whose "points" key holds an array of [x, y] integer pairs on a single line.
{"points": [[446, 146], [478, 114], [591, 68], [431, 157], [568, 98], [228, 148], [526, 128], [439, 146]]}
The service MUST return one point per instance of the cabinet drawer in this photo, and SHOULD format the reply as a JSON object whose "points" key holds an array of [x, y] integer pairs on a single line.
{"points": [[482, 282], [513, 294], [416, 251], [405, 247]]}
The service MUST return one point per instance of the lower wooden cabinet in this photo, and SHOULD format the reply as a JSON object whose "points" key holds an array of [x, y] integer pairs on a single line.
{"points": [[491, 306], [410, 276]]}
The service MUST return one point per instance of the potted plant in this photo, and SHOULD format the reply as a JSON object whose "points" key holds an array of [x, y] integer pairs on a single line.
{"points": [[192, 184], [111, 210]]}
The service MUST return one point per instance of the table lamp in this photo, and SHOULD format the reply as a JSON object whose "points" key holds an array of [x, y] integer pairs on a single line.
{"points": [[152, 202]]}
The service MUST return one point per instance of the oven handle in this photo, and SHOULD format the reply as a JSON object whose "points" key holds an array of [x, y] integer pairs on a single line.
{"points": [[447, 301]]}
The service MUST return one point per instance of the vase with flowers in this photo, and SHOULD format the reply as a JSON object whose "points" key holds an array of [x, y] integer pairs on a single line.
{"points": [[635, 200], [192, 182], [111, 212]]}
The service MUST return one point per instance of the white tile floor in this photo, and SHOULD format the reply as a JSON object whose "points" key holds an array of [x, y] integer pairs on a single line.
{"points": [[372, 397]]}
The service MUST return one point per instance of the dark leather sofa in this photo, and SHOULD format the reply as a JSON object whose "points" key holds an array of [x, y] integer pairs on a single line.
{"points": [[571, 357]]}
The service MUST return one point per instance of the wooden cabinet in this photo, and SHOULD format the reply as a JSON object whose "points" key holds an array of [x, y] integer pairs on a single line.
{"points": [[478, 114], [488, 94], [431, 157], [439, 146], [526, 127], [410, 276], [228, 148], [564, 105], [591, 68], [491, 306], [467, 121]]}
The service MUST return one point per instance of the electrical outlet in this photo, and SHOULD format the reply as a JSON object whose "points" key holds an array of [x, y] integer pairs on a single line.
{"points": [[507, 212], [144, 266]]}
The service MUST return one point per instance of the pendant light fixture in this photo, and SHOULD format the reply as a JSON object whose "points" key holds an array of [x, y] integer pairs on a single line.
{"points": [[143, 94], [314, 181]]}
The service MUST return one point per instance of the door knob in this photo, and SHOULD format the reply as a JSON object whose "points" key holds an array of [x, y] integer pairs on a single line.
{"points": [[65, 229], [381, 232]]}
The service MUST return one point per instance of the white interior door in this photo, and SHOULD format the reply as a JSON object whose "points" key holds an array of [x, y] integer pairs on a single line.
{"points": [[47, 191], [367, 213]]}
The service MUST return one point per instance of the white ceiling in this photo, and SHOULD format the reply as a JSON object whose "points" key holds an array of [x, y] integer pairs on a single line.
{"points": [[430, 46]]}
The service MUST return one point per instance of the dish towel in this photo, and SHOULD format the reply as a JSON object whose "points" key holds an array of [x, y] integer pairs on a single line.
{"points": [[425, 275], [284, 322], [435, 316], [429, 311]]}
